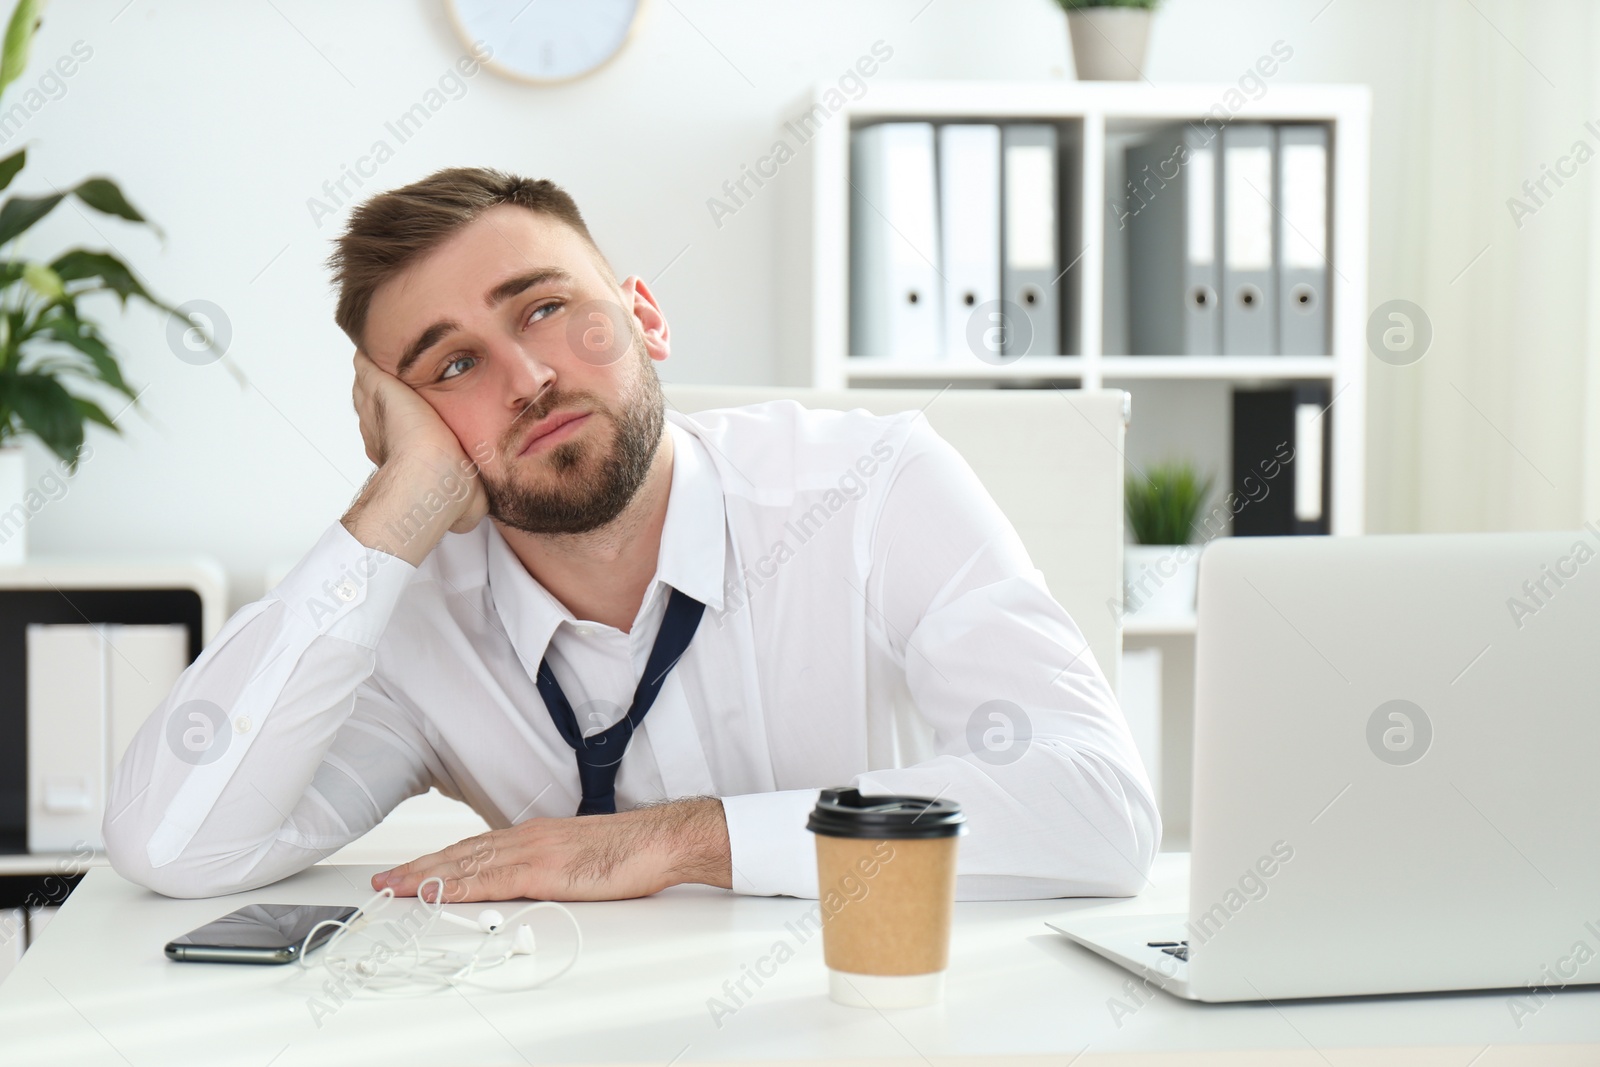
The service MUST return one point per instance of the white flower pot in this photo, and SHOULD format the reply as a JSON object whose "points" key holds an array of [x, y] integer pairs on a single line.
{"points": [[1108, 43], [13, 514], [1159, 581]]}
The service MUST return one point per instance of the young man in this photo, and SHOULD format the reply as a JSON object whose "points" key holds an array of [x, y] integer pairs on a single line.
{"points": [[798, 599]]}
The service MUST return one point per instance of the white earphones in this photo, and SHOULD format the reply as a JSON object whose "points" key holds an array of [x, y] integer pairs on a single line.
{"points": [[386, 968], [489, 920]]}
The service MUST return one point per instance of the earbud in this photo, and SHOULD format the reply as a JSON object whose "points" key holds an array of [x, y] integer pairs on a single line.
{"points": [[521, 945], [488, 920]]}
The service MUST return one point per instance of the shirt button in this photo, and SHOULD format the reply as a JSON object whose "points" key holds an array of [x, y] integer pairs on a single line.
{"points": [[242, 724], [345, 590], [584, 631]]}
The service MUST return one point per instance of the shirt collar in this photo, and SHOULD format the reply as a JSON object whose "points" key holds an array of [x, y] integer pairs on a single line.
{"points": [[694, 539], [692, 557]]}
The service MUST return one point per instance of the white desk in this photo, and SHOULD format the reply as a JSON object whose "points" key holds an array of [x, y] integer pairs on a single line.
{"points": [[96, 989]]}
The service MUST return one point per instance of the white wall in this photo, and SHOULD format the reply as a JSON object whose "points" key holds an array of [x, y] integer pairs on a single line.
{"points": [[221, 121]]}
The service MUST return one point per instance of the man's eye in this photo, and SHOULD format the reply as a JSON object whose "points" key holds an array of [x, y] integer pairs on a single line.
{"points": [[458, 360], [533, 317]]}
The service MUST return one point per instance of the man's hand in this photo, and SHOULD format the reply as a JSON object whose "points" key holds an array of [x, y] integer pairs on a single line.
{"points": [[425, 483], [589, 857]]}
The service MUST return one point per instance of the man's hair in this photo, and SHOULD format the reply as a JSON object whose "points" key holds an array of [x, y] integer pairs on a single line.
{"points": [[392, 230]]}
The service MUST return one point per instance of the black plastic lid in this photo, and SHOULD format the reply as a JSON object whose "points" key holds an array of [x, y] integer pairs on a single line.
{"points": [[846, 813]]}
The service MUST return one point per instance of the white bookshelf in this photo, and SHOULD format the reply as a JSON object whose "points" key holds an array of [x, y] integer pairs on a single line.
{"points": [[1098, 117], [1178, 401]]}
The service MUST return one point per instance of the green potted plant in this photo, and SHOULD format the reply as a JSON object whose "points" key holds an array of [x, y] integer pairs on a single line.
{"points": [[1161, 569], [46, 341], [1109, 37]]}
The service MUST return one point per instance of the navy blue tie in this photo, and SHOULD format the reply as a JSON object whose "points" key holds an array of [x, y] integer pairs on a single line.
{"points": [[599, 755]]}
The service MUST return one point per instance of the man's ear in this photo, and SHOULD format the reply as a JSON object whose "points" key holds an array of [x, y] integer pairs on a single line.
{"points": [[652, 320]]}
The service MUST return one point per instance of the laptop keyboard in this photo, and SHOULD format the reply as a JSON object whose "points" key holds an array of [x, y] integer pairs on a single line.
{"points": [[1180, 949]]}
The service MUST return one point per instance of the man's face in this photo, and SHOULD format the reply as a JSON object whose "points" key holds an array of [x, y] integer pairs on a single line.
{"points": [[536, 361]]}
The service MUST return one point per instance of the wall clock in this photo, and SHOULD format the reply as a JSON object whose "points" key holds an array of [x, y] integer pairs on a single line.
{"points": [[545, 42]]}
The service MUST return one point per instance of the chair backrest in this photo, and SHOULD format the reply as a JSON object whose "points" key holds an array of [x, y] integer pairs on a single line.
{"points": [[1052, 460]]}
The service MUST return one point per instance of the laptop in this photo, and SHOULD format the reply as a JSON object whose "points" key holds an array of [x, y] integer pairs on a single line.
{"points": [[1395, 782]]}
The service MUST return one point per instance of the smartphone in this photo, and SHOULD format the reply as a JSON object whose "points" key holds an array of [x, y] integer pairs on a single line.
{"points": [[259, 933]]}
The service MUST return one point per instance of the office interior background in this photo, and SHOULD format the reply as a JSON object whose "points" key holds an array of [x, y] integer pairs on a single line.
{"points": [[1497, 427], [246, 133], [1477, 113]]}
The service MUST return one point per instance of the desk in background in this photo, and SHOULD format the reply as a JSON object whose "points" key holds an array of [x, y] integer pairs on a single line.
{"points": [[96, 989]]}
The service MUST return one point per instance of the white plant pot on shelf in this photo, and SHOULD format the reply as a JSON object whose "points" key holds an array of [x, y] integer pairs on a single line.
{"points": [[1159, 581], [13, 513], [1109, 43]]}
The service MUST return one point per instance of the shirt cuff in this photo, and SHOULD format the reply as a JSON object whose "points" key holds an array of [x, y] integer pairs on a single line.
{"points": [[772, 852], [344, 589]]}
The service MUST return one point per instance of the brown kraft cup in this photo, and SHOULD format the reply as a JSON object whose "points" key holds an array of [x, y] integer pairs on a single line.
{"points": [[886, 881]]}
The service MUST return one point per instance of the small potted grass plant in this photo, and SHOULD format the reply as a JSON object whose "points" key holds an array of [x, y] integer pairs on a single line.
{"points": [[1109, 37], [1161, 569]]}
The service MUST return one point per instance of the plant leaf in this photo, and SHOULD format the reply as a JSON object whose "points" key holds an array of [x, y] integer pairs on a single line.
{"points": [[20, 212], [103, 195], [42, 280], [80, 263], [10, 165], [81, 335], [95, 413], [46, 410], [11, 333], [19, 36]]}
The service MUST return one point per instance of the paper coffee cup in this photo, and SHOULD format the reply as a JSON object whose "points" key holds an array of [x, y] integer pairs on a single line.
{"points": [[886, 881]]}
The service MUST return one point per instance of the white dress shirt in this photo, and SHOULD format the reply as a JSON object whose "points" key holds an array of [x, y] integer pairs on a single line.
{"points": [[872, 620]]}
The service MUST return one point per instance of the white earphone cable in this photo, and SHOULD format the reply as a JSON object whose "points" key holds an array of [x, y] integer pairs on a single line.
{"points": [[403, 968]]}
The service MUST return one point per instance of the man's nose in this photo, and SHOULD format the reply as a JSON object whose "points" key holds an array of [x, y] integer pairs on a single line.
{"points": [[528, 376]]}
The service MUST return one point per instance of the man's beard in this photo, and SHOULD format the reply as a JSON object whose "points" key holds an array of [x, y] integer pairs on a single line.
{"points": [[576, 502]]}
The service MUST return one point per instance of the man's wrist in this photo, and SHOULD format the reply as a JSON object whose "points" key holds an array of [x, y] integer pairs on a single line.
{"points": [[406, 507], [690, 836]]}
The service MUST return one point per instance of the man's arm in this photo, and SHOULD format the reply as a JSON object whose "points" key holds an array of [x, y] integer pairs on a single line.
{"points": [[214, 794], [1027, 732], [589, 857], [1030, 736], [275, 747]]}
